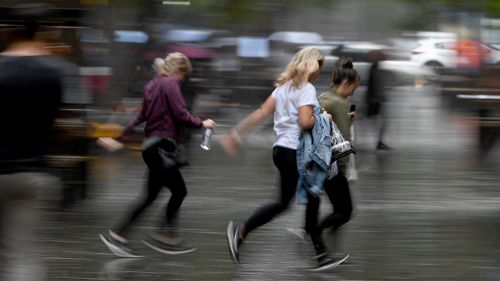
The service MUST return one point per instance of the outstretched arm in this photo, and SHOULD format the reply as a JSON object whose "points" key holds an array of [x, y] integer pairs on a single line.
{"points": [[231, 140], [256, 117]]}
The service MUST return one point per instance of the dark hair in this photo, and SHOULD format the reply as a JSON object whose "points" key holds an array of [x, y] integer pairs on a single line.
{"points": [[344, 71], [29, 16]]}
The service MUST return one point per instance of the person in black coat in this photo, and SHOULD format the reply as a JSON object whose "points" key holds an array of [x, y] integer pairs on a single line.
{"points": [[375, 97]]}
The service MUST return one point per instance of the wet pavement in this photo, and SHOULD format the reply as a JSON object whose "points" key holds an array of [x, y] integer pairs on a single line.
{"points": [[427, 210]]}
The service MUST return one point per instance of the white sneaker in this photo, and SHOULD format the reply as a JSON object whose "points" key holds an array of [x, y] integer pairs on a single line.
{"points": [[329, 262], [116, 247]]}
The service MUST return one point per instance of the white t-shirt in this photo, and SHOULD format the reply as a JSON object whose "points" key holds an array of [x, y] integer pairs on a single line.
{"points": [[286, 114]]}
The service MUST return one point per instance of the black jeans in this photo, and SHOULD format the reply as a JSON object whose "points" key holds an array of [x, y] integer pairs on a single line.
{"points": [[157, 178], [338, 192]]}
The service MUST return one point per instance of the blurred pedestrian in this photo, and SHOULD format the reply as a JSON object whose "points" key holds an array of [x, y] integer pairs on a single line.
{"points": [[376, 98], [345, 81], [164, 111], [292, 103], [31, 90]]}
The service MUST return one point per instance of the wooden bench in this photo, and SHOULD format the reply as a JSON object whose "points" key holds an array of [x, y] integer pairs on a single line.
{"points": [[73, 172]]}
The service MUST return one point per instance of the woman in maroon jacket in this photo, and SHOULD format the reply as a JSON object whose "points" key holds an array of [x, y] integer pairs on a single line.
{"points": [[165, 113]]}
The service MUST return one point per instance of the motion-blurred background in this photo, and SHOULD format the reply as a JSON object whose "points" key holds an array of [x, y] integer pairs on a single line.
{"points": [[440, 67]]}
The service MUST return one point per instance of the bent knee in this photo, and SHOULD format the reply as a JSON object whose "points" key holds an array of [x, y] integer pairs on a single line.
{"points": [[179, 193]]}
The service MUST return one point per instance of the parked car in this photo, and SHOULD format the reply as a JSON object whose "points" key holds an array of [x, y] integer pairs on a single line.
{"points": [[452, 53], [361, 54], [297, 37], [398, 72], [284, 44], [404, 72]]}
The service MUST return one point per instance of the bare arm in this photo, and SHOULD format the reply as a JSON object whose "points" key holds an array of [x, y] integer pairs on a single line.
{"points": [[306, 119], [256, 117], [231, 140]]}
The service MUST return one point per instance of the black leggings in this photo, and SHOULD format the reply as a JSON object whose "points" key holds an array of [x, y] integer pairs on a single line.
{"points": [[285, 160], [157, 178], [338, 192]]}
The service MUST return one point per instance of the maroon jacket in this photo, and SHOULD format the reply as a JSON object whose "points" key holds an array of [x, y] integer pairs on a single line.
{"points": [[163, 110]]}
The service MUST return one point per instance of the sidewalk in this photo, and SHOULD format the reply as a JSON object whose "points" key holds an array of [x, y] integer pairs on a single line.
{"points": [[425, 211]]}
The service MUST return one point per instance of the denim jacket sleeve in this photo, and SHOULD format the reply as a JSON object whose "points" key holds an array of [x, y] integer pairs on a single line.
{"points": [[313, 157]]}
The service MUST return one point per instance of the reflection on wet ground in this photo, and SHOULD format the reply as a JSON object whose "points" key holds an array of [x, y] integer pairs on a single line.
{"points": [[428, 210]]}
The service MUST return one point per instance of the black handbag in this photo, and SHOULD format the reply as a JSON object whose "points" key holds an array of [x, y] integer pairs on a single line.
{"points": [[164, 153], [173, 158]]}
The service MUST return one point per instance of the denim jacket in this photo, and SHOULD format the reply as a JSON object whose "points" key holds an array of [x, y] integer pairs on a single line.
{"points": [[313, 156]]}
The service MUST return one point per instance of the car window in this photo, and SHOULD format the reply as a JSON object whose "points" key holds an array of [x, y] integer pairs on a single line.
{"points": [[405, 45], [445, 45], [440, 45]]}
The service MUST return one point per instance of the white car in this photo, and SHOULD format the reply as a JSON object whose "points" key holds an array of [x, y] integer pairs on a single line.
{"points": [[442, 53], [434, 53], [297, 37], [402, 70]]}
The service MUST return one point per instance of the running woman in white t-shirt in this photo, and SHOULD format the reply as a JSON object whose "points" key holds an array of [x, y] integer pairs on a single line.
{"points": [[292, 103]]}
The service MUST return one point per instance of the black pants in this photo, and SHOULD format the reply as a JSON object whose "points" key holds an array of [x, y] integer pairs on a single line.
{"points": [[338, 192], [312, 214], [285, 160], [157, 179], [376, 112]]}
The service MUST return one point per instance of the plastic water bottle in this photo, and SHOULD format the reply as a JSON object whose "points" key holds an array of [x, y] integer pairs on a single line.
{"points": [[207, 135]]}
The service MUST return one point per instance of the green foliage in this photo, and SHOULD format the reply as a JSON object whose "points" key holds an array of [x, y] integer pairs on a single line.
{"points": [[493, 7]]}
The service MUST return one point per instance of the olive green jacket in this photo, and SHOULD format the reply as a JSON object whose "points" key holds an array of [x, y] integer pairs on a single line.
{"points": [[337, 107]]}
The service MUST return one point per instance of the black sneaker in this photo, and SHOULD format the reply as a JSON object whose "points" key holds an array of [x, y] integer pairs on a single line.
{"points": [[328, 261], [175, 247], [233, 241], [120, 249]]}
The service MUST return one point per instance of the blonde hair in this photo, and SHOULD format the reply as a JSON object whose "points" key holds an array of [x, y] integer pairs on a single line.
{"points": [[174, 62], [303, 64]]}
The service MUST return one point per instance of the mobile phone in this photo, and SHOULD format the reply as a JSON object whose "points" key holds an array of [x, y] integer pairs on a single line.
{"points": [[353, 108]]}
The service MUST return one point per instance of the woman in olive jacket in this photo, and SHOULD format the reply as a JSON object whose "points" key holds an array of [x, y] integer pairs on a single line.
{"points": [[345, 81]]}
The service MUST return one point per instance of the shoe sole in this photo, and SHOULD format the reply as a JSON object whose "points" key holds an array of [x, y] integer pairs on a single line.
{"points": [[297, 233], [230, 239], [168, 252], [328, 266], [117, 251]]}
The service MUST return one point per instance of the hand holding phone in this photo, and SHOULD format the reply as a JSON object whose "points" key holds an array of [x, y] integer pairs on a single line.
{"points": [[352, 111]]}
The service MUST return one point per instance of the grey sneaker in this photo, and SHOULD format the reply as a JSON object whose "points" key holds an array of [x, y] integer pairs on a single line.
{"points": [[174, 247], [233, 241], [120, 249], [329, 261]]}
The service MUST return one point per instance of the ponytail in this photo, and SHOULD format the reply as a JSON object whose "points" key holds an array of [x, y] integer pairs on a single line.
{"points": [[344, 71], [172, 63]]}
